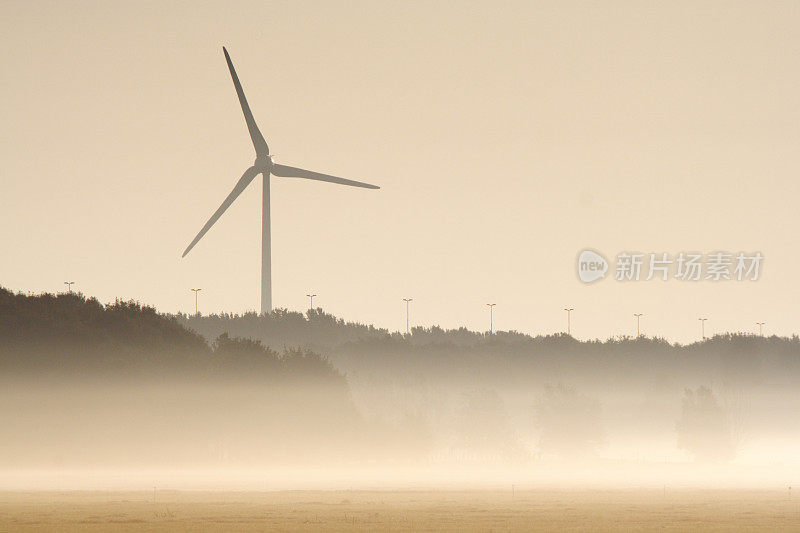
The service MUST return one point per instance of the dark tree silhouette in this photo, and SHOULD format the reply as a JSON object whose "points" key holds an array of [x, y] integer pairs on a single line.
{"points": [[704, 429], [483, 426], [569, 422]]}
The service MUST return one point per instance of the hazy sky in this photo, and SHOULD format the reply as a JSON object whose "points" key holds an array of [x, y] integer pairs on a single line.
{"points": [[506, 137]]}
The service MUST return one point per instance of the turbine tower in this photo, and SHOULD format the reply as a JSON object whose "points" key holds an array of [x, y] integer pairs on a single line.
{"points": [[264, 165]]}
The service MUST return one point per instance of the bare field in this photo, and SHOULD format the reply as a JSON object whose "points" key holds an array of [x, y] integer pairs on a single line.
{"points": [[681, 510]]}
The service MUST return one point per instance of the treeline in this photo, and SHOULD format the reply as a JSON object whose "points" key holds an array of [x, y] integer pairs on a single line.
{"points": [[521, 361], [321, 330], [72, 334], [514, 358], [281, 327]]}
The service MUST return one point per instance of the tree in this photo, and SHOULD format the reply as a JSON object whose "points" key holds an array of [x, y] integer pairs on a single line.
{"points": [[704, 429], [484, 428], [569, 422]]}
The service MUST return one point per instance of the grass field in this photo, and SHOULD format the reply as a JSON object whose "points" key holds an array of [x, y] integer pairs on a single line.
{"points": [[681, 510]]}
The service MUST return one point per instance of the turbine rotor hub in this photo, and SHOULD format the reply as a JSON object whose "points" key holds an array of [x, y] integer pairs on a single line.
{"points": [[263, 163]]}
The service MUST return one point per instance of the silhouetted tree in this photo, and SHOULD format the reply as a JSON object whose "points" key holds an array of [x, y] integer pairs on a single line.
{"points": [[483, 427], [569, 422], [704, 428]]}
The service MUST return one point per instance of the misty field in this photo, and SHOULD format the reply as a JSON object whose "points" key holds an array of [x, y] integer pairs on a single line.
{"points": [[680, 510]]}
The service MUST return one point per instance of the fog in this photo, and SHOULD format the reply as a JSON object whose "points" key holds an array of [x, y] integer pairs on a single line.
{"points": [[120, 396], [241, 436]]}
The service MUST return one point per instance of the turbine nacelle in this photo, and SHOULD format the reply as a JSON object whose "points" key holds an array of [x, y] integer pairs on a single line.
{"points": [[263, 163]]}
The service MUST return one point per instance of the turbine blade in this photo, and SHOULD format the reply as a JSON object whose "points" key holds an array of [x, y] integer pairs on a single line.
{"points": [[293, 172], [258, 140], [241, 185]]}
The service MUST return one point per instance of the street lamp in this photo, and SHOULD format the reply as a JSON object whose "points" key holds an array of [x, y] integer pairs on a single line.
{"points": [[311, 305], [69, 285], [195, 291], [407, 301], [703, 327], [761, 328], [569, 310], [491, 309], [638, 316]]}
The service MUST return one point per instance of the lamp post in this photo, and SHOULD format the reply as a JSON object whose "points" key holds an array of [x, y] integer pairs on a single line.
{"points": [[638, 316], [703, 327], [491, 318], [761, 328], [195, 291], [407, 301], [311, 305], [569, 311], [69, 285]]}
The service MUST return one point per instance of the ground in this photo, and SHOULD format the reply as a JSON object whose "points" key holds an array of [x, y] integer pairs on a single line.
{"points": [[678, 510]]}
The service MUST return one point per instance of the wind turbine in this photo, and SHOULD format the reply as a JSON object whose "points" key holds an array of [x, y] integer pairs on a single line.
{"points": [[266, 166]]}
